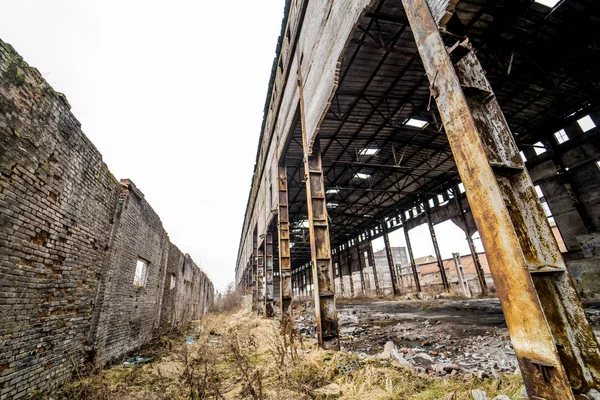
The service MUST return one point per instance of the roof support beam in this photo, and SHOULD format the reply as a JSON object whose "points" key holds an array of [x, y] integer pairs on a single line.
{"points": [[555, 345]]}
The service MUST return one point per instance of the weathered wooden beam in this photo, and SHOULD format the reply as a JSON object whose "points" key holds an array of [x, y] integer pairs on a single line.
{"points": [[557, 351], [285, 260]]}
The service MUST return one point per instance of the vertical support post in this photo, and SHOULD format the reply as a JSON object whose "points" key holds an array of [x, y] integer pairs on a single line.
{"points": [[390, 259], [255, 271], [372, 262], [339, 266], [285, 259], [464, 284], [361, 262], [411, 257], [348, 258], [260, 281], [478, 268], [436, 247], [320, 248], [269, 312], [557, 351]]}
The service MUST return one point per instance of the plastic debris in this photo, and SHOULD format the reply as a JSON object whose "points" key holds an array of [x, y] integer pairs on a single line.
{"points": [[137, 360], [345, 369]]}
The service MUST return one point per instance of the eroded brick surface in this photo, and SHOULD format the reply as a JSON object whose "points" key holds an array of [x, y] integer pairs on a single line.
{"points": [[70, 237]]}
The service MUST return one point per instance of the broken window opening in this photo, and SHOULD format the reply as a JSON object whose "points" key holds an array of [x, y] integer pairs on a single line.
{"points": [[141, 272]]}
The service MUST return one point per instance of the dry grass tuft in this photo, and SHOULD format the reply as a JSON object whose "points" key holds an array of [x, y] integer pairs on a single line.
{"points": [[241, 356]]}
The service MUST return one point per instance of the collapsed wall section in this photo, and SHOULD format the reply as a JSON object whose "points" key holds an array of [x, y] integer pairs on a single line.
{"points": [[71, 241]]}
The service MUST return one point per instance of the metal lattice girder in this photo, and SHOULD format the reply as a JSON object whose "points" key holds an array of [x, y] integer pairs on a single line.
{"points": [[372, 262], [260, 281], [285, 261], [390, 259], [478, 268], [436, 247], [254, 262], [320, 246], [411, 257], [557, 351], [269, 275]]}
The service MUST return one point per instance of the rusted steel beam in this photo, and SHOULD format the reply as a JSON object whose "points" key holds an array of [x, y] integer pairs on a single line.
{"points": [[436, 247], [557, 351], [260, 281], [348, 259], [361, 262], [285, 260], [269, 312], [411, 257], [320, 247], [478, 268], [372, 262], [339, 266], [390, 259], [254, 261]]}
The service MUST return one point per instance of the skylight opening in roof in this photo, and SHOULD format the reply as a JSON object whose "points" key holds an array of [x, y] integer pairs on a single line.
{"points": [[539, 148], [333, 204], [417, 123], [332, 191], [523, 156], [362, 175], [539, 192], [368, 151], [548, 3], [561, 136], [586, 123]]}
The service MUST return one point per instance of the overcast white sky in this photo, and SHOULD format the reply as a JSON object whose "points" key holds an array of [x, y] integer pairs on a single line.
{"points": [[172, 95]]}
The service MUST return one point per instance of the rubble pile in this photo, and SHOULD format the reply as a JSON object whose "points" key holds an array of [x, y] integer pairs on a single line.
{"points": [[441, 337]]}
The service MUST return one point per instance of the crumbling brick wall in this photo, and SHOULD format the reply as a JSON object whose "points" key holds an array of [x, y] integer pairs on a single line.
{"points": [[183, 280], [70, 236]]}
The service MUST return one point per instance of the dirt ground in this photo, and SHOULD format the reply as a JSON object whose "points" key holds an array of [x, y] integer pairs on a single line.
{"points": [[440, 337]]}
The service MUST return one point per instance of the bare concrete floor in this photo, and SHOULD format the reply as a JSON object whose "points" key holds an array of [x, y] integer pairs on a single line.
{"points": [[441, 337]]}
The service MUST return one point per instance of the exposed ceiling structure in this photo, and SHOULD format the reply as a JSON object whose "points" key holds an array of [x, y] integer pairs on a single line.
{"points": [[384, 149]]}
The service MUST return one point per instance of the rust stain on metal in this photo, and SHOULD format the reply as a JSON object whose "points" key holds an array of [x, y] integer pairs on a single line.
{"points": [[320, 248], [283, 225], [497, 189]]}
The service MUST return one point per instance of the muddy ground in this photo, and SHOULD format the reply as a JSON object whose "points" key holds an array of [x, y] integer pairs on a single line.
{"points": [[441, 337]]}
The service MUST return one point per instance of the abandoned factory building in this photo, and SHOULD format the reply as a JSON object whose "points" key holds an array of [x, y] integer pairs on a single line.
{"points": [[388, 115]]}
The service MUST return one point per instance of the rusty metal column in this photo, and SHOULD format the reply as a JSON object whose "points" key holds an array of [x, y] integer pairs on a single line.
{"points": [[410, 254], [285, 259], [557, 351], [320, 248], [478, 268], [390, 259], [269, 312], [361, 262], [372, 262], [255, 271], [260, 281], [348, 257], [436, 248], [339, 266]]}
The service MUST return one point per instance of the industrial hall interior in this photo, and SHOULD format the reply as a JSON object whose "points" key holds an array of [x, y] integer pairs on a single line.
{"points": [[386, 116]]}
